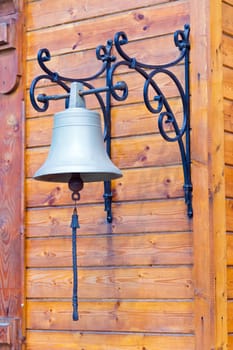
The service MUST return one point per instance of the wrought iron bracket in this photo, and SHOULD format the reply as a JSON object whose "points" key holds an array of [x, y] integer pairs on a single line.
{"points": [[119, 92]]}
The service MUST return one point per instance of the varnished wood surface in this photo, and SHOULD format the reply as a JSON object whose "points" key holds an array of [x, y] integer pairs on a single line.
{"points": [[138, 217], [149, 150], [208, 175], [90, 341], [151, 183], [11, 178], [82, 35], [228, 112], [112, 283], [78, 11], [144, 249], [135, 275], [171, 317]]}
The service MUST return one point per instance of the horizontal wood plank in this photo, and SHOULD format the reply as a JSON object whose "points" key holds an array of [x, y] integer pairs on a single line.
{"points": [[228, 83], [81, 64], [83, 35], [134, 81], [127, 120], [227, 12], [230, 249], [227, 50], [112, 283], [228, 115], [149, 150], [228, 148], [230, 282], [229, 181], [151, 183], [230, 316], [167, 317], [230, 341], [45, 14], [148, 249], [139, 217], [229, 215], [91, 341]]}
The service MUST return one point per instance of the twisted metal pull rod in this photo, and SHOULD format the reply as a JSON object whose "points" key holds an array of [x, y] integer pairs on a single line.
{"points": [[74, 225], [75, 185]]}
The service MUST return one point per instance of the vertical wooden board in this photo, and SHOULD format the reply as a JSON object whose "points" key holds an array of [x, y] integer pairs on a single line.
{"points": [[11, 175], [208, 179]]}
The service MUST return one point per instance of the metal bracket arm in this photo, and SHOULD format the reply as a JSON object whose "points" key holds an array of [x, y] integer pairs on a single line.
{"points": [[180, 134]]}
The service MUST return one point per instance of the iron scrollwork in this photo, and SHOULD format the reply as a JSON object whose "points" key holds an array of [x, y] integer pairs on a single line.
{"points": [[119, 92]]}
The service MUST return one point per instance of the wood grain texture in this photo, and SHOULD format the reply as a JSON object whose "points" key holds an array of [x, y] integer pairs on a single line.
{"points": [[229, 181], [127, 120], [11, 179], [149, 150], [77, 11], [229, 214], [133, 80], [228, 114], [208, 175], [170, 317], [83, 35], [85, 341], [150, 249], [113, 283], [135, 275], [139, 217], [228, 83], [227, 50], [151, 183], [80, 64], [228, 143], [227, 23]]}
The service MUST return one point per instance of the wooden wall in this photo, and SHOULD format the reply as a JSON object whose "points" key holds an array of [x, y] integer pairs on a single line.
{"points": [[11, 175], [135, 275], [228, 117]]}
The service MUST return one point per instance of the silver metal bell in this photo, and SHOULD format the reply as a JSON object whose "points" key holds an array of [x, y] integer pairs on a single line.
{"points": [[77, 146]]}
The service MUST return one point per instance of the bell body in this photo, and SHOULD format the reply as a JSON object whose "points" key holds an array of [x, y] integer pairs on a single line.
{"points": [[77, 147]]}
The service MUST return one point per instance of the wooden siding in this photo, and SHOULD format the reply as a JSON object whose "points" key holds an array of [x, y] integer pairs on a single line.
{"points": [[135, 275], [209, 238], [11, 175], [153, 279], [228, 117]]}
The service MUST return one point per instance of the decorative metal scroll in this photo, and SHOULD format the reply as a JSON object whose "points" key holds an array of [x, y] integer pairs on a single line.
{"points": [[119, 92]]}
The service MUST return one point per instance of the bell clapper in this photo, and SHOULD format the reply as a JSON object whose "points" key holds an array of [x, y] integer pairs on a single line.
{"points": [[75, 185]]}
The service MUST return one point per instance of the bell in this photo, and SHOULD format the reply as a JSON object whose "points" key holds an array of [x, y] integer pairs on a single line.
{"points": [[77, 146]]}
